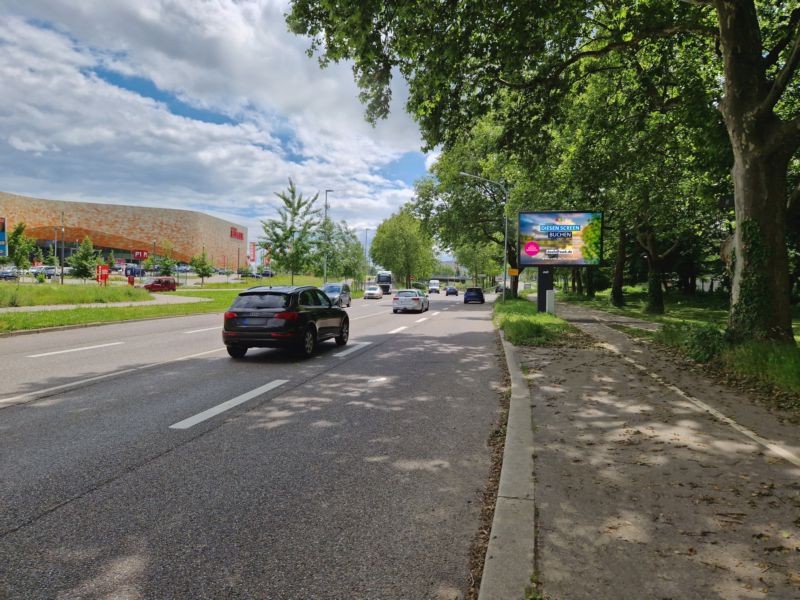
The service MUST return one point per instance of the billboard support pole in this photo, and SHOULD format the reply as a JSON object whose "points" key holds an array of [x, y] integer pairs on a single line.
{"points": [[544, 284]]}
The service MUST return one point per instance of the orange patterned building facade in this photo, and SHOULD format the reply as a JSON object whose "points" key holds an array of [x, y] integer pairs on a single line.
{"points": [[124, 229]]}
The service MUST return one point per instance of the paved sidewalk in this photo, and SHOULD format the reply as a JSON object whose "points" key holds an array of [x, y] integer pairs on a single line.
{"points": [[158, 299], [653, 482]]}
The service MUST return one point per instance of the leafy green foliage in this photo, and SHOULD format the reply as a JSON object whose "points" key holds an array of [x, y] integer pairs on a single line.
{"points": [[84, 260], [402, 246], [290, 238], [201, 265], [20, 247]]}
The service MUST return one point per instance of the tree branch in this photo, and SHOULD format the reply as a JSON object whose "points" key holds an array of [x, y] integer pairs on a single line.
{"points": [[775, 53], [610, 47], [782, 80]]}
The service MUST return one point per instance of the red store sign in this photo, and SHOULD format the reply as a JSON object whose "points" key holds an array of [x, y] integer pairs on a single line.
{"points": [[235, 233]]}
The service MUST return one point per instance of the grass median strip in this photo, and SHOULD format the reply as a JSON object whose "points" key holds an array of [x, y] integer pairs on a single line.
{"points": [[524, 325], [18, 321]]}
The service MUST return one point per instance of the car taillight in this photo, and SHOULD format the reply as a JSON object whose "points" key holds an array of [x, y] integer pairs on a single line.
{"points": [[396, 298], [415, 299], [289, 315], [230, 315]]}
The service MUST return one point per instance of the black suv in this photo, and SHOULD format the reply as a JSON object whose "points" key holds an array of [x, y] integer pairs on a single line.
{"points": [[297, 317]]}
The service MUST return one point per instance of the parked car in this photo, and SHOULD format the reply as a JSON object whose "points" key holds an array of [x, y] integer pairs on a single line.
{"points": [[134, 270], [339, 293], [474, 294], [8, 274], [373, 291], [251, 274], [413, 300], [160, 284], [49, 271], [498, 289], [451, 291], [267, 273], [297, 317]]}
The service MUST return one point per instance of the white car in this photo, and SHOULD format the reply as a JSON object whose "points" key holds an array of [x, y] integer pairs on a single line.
{"points": [[373, 291], [413, 300]]}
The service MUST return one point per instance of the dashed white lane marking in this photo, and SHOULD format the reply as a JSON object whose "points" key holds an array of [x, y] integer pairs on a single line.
{"points": [[421, 320], [74, 350], [398, 330], [434, 314], [229, 404], [206, 329], [39, 393], [353, 348], [383, 312], [768, 444]]}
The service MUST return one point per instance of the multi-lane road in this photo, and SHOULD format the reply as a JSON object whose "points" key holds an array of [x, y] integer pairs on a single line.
{"points": [[137, 460]]}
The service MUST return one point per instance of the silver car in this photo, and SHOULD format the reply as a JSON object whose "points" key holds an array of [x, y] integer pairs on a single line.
{"points": [[373, 291], [412, 300]]}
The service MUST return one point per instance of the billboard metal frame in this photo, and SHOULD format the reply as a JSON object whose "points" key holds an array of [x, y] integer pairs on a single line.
{"points": [[554, 262]]}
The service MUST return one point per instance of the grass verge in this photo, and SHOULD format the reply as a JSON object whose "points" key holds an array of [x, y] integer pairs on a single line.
{"points": [[23, 294], [17, 321], [524, 325]]}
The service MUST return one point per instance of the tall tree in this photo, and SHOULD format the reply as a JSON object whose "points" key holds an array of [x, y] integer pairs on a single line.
{"points": [[202, 266], [290, 238], [462, 59], [84, 260], [20, 247], [402, 245]]}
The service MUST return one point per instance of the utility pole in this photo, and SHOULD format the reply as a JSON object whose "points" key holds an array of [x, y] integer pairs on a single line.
{"points": [[63, 240], [366, 259], [326, 243]]}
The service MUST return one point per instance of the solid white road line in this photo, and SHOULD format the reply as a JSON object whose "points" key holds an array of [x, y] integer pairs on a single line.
{"points": [[74, 350], [421, 320], [398, 330], [353, 348], [220, 408], [206, 329], [776, 449], [38, 393]]}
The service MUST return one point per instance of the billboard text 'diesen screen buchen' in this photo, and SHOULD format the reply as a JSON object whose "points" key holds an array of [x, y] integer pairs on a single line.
{"points": [[567, 238]]}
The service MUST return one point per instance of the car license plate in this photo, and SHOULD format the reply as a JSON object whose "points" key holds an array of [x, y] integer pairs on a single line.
{"points": [[247, 321]]}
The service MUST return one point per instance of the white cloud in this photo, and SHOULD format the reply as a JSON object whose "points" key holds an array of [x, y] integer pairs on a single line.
{"points": [[67, 133]]}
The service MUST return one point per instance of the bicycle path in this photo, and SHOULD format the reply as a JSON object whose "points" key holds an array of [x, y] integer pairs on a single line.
{"points": [[653, 481]]}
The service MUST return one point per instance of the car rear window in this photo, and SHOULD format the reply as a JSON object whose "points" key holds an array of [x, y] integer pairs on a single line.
{"points": [[333, 289], [407, 294], [474, 290], [264, 300]]}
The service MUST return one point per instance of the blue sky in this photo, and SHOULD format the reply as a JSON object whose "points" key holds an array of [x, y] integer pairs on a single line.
{"points": [[204, 106]]}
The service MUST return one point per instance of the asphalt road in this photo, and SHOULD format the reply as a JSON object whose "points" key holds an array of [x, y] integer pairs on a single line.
{"points": [[355, 474]]}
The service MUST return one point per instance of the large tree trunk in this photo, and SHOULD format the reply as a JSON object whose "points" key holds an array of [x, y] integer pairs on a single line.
{"points": [[617, 297], [590, 287], [655, 289], [762, 146]]}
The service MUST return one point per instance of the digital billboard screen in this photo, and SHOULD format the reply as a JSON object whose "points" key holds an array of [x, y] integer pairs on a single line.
{"points": [[3, 247], [566, 238]]}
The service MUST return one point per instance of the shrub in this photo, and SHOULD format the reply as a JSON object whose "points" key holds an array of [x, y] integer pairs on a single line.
{"points": [[704, 343]]}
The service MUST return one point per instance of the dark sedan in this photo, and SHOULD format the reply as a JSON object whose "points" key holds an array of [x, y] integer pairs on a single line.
{"points": [[451, 291], [474, 294], [297, 317]]}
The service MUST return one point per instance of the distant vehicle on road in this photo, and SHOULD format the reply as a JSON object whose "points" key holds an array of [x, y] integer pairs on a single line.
{"points": [[433, 286], [339, 293], [160, 284], [474, 294], [8, 274], [373, 291], [451, 291], [384, 280], [297, 317], [411, 300]]}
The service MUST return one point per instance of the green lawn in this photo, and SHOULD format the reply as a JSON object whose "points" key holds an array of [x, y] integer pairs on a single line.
{"points": [[524, 325]]}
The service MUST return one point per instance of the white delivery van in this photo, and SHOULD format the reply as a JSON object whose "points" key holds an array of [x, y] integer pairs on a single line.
{"points": [[433, 286]]}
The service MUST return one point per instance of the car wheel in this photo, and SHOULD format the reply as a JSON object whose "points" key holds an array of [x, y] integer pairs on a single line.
{"points": [[236, 351], [308, 342], [394, 310], [465, 301], [349, 302], [344, 333]]}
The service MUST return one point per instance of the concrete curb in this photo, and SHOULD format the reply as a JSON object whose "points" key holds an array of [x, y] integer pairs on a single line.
{"points": [[509, 560]]}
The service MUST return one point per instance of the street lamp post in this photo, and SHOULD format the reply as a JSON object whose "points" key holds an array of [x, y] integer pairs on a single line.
{"points": [[62, 248], [366, 259], [505, 215], [327, 241]]}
